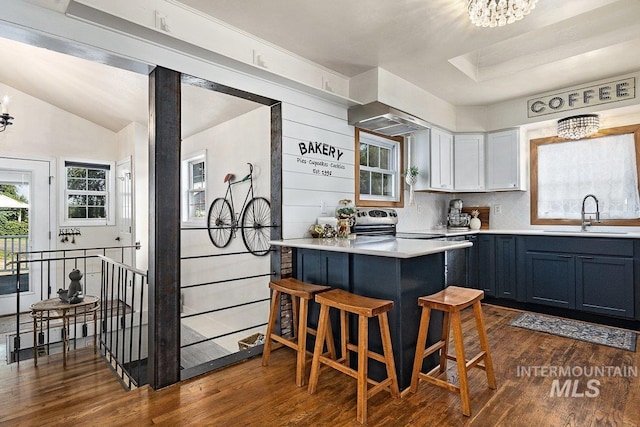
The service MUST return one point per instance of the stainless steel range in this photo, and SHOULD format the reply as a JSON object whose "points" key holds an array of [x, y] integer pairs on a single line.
{"points": [[375, 221]]}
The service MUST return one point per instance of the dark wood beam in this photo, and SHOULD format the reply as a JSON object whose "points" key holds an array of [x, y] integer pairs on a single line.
{"points": [[276, 186], [164, 227]]}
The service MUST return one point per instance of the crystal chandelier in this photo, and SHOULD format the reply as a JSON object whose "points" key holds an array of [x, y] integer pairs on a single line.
{"points": [[496, 13], [578, 127]]}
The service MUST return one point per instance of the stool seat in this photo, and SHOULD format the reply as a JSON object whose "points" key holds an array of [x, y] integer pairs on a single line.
{"points": [[357, 304], [365, 308], [451, 301], [452, 298], [301, 293]]}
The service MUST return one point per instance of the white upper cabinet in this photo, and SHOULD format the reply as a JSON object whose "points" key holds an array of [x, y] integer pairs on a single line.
{"points": [[419, 155], [467, 162], [469, 165], [503, 160], [441, 170]]}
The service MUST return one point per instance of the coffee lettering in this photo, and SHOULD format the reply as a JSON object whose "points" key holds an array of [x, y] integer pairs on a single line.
{"points": [[622, 90], [587, 95], [604, 93], [556, 103], [572, 98]]}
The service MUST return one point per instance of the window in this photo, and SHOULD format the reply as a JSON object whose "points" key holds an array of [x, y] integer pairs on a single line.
{"points": [[563, 172], [378, 172], [194, 206], [87, 193]]}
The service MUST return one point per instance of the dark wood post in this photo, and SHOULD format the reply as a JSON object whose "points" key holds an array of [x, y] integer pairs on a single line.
{"points": [[276, 185], [164, 227]]}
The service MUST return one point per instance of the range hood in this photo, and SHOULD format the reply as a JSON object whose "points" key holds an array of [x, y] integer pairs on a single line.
{"points": [[380, 118]]}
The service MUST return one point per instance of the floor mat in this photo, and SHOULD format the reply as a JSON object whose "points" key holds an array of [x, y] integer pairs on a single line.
{"points": [[597, 334]]}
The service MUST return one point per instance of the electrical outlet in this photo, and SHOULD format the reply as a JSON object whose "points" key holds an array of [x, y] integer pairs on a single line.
{"points": [[497, 209], [323, 207]]}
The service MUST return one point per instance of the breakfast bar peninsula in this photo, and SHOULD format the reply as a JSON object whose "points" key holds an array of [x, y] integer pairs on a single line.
{"points": [[385, 267]]}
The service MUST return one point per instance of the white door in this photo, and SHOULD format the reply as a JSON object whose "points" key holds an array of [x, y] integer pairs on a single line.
{"points": [[124, 208], [30, 179]]}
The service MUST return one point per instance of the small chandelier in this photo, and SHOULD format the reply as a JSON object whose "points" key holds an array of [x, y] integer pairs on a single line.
{"points": [[497, 13], [5, 118], [578, 127]]}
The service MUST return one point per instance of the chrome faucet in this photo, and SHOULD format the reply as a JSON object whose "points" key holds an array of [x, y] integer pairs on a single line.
{"points": [[584, 224]]}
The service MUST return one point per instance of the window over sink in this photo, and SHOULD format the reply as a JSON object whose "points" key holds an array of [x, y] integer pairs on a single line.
{"points": [[605, 164]]}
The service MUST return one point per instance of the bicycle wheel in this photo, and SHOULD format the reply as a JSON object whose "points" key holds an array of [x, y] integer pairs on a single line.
{"points": [[256, 222], [220, 222]]}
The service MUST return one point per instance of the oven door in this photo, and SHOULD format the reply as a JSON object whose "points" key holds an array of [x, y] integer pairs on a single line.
{"points": [[455, 269]]}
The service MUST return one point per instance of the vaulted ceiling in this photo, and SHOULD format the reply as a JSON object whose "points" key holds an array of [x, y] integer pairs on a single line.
{"points": [[430, 43]]}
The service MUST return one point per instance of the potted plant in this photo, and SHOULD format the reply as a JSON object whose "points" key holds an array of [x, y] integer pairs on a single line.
{"points": [[411, 177]]}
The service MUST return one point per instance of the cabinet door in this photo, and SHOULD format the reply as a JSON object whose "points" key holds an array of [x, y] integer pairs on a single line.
{"points": [[550, 279], [503, 160], [604, 285], [322, 268], [441, 160], [486, 265], [506, 267], [468, 162], [420, 157]]}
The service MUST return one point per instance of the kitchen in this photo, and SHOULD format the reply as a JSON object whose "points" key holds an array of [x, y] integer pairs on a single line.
{"points": [[510, 210]]}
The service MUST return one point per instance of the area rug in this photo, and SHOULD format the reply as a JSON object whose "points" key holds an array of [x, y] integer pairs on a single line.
{"points": [[597, 334]]}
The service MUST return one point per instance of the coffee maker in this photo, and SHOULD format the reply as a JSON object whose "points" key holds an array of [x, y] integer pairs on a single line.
{"points": [[456, 219]]}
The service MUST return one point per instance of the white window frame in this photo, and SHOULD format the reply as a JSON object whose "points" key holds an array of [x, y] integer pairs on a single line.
{"points": [[187, 187], [395, 170], [110, 207]]}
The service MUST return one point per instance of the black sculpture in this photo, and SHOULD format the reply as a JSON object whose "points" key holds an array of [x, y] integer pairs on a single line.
{"points": [[74, 294]]}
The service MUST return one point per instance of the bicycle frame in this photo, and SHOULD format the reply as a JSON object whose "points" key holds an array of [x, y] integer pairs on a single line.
{"points": [[228, 195]]}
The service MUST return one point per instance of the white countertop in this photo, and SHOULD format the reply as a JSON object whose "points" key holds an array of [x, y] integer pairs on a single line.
{"points": [[551, 231], [386, 246]]}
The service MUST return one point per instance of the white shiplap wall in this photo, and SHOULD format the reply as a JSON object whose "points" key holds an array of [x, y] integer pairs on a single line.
{"points": [[303, 191]]}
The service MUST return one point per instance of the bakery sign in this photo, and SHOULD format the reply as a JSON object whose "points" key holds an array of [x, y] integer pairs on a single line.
{"points": [[320, 158], [603, 93]]}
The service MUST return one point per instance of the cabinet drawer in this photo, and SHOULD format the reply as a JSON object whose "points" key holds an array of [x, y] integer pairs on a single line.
{"points": [[581, 245]]}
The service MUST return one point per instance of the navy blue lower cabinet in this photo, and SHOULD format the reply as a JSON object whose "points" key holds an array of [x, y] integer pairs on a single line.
{"points": [[487, 265], [505, 272], [550, 279], [482, 264], [604, 285], [322, 268]]}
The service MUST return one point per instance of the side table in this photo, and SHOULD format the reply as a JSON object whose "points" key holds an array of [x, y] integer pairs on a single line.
{"points": [[54, 308]]}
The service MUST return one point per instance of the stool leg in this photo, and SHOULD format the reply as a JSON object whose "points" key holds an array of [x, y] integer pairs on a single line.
{"points": [[445, 337], [331, 345], [484, 344], [301, 356], [295, 304], [462, 364], [344, 337], [363, 348], [266, 352], [383, 319], [420, 346], [320, 338]]}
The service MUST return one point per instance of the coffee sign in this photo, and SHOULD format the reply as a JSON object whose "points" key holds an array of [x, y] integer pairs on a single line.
{"points": [[604, 93]]}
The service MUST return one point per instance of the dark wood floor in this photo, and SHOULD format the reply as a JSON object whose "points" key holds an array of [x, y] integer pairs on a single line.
{"points": [[87, 393]]}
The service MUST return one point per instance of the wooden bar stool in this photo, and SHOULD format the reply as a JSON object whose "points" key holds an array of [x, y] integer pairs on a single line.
{"points": [[301, 293], [365, 308], [451, 301]]}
